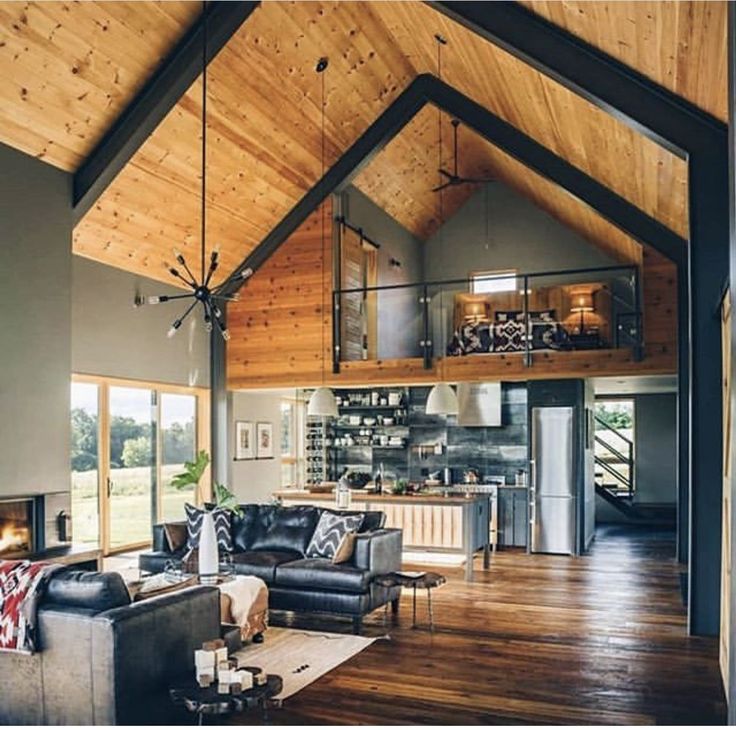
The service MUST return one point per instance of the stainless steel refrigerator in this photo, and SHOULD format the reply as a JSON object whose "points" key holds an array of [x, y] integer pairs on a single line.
{"points": [[552, 498]]}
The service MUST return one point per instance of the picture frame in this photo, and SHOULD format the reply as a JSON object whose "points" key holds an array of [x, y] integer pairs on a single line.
{"points": [[264, 440], [245, 440]]}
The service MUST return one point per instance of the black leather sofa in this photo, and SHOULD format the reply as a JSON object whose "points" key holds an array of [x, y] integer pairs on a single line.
{"points": [[104, 660], [270, 542]]}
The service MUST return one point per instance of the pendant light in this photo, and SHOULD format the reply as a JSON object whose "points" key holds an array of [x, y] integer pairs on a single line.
{"points": [[322, 402], [442, 399], [212, 298]]}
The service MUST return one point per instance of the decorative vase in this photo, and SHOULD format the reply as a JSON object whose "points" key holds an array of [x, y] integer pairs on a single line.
{"points": [[209, 559]]}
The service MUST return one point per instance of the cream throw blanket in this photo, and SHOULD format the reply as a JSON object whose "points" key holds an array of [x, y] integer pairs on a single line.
{"points": [[244, 602]]}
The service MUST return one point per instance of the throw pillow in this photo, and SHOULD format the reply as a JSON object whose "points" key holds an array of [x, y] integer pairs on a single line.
{"points": [[346, 548], [329, 533], [176, 535], [223, 530]]}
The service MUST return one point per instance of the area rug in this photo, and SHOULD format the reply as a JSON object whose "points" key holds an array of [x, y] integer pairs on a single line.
{"points": [[301, 657]]}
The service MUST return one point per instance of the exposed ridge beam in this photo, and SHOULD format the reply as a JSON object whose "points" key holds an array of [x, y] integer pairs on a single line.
{"points": [[668, 119], [532, 154], [155, 100], [427, 88]]}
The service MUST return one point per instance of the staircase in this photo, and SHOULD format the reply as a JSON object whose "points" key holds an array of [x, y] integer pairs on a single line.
{"points": [[615, 475]]}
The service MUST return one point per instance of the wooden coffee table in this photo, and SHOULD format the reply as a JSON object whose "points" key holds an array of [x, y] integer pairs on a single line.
{"points": [[426, 581], [208, 701]]}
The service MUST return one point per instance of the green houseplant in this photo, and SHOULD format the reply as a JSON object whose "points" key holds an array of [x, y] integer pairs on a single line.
{"points": [[192, 476]]}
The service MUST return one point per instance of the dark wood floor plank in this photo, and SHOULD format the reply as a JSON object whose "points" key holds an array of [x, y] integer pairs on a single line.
{"points": [[538, 639]]}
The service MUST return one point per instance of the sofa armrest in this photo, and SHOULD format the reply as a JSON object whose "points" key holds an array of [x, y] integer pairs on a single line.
{"points": [[160, 543], [378, 552], [140, 649]]}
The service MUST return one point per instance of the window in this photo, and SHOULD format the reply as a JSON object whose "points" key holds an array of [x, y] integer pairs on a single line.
{"points": [[128, 439], [293, 462], [493, 282]]}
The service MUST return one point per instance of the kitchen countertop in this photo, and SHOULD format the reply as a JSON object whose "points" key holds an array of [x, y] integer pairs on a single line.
{"points": [[360, 496]]}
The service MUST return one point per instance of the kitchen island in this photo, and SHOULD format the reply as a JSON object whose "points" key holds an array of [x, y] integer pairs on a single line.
{"points": [[434, 523]]}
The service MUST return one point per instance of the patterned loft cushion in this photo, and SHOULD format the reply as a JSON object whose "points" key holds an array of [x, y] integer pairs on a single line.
{"points": [[543, 326], [330, 532], [470, 338], [222, 527], [508, 336]]}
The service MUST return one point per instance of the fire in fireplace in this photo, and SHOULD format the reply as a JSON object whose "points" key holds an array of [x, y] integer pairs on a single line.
{"points": [[16, 527]]}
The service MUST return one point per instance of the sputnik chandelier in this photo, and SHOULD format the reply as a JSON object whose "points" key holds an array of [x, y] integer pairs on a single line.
{"points": [[210, 297]]}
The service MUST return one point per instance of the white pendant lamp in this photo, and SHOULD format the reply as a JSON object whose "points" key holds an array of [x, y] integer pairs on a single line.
{"points": [[442, 401], [322, 403]]}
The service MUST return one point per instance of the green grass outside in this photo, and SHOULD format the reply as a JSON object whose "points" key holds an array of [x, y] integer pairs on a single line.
{"points": [[130, 504]]}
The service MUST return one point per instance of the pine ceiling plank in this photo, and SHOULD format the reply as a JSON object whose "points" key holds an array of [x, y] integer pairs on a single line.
{"points": [[80, 64], [680, 45]]}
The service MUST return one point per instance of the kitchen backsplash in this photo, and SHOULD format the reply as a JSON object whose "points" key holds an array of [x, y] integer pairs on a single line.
{"points": [[432, 443]]}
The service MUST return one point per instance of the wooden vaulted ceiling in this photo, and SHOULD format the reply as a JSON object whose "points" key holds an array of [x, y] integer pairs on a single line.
{"points": [[401, 177], [264, 112], [68, 69]]}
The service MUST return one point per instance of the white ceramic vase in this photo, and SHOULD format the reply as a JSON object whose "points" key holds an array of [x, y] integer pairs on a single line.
{"points": [[209, 558]]}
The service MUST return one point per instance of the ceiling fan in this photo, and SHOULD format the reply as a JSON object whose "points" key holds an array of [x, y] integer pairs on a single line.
{"points": [[454, 178]]}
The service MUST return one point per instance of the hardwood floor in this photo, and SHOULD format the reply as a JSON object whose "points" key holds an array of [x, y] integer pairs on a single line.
{"points": [[535, 639]]}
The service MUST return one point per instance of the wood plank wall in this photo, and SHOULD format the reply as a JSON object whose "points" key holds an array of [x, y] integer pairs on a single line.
{"points": [[276, 337]]}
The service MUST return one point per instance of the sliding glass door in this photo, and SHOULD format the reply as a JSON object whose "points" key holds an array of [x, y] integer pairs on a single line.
{"points": [[128, 440], [132, 473]]}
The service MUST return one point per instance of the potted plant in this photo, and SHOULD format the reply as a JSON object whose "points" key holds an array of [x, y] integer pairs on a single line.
{"points": [[191, 477]]}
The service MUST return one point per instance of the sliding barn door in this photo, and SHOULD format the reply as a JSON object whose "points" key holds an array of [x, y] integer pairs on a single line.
{"points": [[359, 316], [725, 648]]}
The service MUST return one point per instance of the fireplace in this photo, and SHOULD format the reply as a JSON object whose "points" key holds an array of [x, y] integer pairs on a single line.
{"points": [[21, 526]]}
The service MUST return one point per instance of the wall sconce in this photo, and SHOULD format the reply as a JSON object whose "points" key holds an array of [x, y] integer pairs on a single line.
{"points": [[395, 262]]}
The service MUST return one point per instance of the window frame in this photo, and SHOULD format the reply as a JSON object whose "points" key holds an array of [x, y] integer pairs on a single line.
{"points": [[498, 275]]}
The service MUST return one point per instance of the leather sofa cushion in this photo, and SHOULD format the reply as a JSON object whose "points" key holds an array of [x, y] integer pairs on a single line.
{"points": [[244, 527], [372, 520], [284, 528], [91, 590], [322, 574], [262, 564]]}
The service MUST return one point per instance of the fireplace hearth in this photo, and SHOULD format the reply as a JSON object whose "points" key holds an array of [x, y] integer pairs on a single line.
{"points": [[21, 526]]}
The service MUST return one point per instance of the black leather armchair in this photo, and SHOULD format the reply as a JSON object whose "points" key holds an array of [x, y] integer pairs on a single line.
{"points": [[103, 660], [271, 542]]}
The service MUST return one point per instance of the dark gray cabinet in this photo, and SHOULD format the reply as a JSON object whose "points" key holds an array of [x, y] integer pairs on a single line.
{"points": [[512, 517]]}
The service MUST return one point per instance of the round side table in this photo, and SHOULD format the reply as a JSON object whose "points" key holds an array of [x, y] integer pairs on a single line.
{"points": [[208, 701], [426, 581]]}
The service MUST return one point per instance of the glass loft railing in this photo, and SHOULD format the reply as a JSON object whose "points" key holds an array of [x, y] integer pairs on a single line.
{"points": [[508, 313]]}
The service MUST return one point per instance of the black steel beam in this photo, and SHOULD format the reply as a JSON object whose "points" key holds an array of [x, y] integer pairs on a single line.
{"points": [[428, 89], [619, 90], [610, 205], [154, 101], [358, 155]]}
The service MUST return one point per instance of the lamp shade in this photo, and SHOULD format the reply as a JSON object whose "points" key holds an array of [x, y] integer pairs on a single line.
{"points": [[322, 403], [442, 401], [582, 302]]}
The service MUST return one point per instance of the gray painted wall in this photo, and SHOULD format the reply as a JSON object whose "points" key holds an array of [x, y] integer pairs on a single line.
{"points": [[254, 480], [112, 337], [655, 423], [398, 311], [35, 279]]}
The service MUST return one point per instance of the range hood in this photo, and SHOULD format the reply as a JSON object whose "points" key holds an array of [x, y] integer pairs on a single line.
{"points": [[479, 404]]}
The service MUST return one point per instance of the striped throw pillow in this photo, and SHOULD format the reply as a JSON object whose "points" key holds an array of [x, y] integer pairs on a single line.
{"points": [[222, 519]]}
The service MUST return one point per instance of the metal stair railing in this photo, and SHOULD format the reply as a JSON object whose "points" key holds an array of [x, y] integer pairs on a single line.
{"points": [[619, 457]]}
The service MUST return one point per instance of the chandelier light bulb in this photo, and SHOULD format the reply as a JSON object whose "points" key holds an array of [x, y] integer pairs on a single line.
{"points": [[179, 256], [226, 335], [174, 327], [153, 300]]}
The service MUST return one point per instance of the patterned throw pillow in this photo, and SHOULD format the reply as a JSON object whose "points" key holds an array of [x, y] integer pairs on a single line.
{"points": [[508, 336], [329, 534], [222, 519]]}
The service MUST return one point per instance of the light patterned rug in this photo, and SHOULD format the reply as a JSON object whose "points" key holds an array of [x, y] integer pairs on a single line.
{"points": [[301, 657]]}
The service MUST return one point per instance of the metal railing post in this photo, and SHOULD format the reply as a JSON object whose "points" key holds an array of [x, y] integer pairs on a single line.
{"points": [[336, 322], [638, 318], [426, 342], [527, 326]]}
